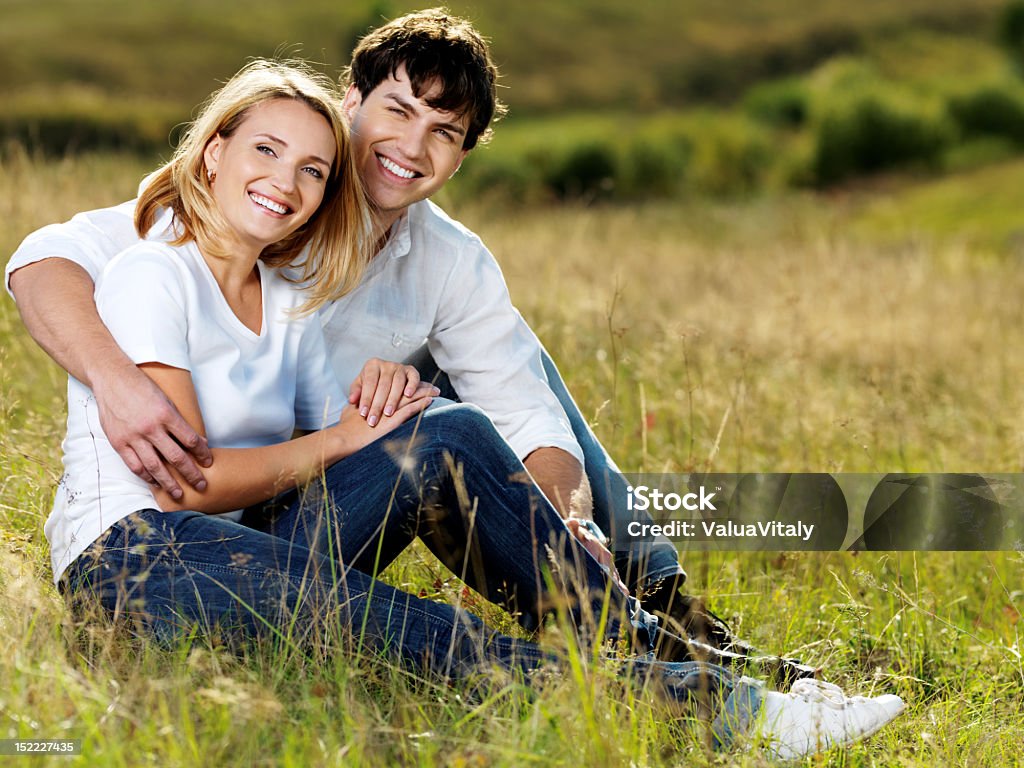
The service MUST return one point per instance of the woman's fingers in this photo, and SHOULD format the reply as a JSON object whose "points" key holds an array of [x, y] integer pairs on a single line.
{"points": [[382, 386]]}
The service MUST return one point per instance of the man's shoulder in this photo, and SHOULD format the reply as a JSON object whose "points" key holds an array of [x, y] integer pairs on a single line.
{"points": [[431, 225]]}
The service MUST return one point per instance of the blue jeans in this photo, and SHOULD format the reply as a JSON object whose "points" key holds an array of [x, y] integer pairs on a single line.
{"points": [[641, 563], [288, 570]]}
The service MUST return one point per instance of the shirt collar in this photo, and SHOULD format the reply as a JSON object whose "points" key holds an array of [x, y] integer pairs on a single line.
{"points": [[399, 238], [165, 228]]}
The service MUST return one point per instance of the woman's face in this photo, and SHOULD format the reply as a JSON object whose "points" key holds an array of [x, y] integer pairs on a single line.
{"points": [[271, 173]]}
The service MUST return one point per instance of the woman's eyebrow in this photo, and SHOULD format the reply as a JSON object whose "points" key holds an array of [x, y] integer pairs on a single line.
{"points": [[284, 144]]}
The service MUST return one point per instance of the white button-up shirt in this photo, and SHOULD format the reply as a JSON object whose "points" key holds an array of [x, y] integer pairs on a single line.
{"points": [[434, 282]]}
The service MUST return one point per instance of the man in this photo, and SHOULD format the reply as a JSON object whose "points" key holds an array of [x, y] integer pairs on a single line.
{"points": [[421, 95]]}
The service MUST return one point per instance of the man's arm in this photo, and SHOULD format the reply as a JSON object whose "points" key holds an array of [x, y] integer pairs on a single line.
{"points": [[561, 477], [563, 481], [55, 299]]}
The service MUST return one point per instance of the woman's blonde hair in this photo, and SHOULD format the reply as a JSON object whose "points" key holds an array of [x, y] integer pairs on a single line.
{"points": [[338, 234]]}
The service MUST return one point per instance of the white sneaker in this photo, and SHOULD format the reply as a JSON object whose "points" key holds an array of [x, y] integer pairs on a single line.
{"points": [[816, 715]]}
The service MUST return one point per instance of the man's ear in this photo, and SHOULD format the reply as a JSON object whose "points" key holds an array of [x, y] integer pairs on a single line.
{"points": [[352, 101], [211, 155], [462, 156]]}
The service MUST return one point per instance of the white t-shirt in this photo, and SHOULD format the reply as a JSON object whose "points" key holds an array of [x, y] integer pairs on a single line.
{"points": [[162, 304], [434, 282]]}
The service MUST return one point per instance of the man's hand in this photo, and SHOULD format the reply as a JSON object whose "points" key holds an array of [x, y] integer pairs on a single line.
{"points": [[147, 431], [55, 298], [598, 550], [382, 386]]}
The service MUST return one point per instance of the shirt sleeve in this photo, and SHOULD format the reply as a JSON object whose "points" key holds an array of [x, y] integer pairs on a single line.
{"points": [[319, 399], [493, 358], [90, 240], [142, 299]]}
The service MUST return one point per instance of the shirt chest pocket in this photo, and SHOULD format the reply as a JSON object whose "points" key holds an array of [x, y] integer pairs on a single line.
{"points": [[386, 340]]}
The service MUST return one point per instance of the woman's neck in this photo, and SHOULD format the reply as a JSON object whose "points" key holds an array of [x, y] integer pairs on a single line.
{"points": [[238, 277]]}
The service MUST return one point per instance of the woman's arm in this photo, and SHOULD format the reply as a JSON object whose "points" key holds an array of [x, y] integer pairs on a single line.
{"points": [[240, 477]]}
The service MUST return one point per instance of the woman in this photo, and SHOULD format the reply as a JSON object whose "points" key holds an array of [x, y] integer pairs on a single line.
{"points": [[262, 179]]}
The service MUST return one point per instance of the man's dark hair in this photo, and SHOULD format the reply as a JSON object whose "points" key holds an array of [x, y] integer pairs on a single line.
{"points": [[435, 47]]}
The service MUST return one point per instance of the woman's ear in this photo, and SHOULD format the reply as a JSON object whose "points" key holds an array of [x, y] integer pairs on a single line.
{"points": [[211, 155]]}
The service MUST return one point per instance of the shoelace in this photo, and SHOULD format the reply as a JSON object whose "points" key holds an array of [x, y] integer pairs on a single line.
{"points": [[814, 691]]}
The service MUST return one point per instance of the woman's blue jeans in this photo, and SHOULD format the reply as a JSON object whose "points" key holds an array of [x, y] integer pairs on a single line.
{"points": [[641, 563], [296, 568]]}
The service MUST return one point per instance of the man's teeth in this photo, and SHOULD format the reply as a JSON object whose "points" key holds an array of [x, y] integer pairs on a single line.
{"points": [[268, 203], [395, 168]]}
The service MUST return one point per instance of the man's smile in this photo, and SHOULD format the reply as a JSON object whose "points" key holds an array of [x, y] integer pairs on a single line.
{"points": [[392, 167]]}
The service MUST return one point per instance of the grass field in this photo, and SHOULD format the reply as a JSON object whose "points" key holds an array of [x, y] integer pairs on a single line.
{"points": [[782, 334]]}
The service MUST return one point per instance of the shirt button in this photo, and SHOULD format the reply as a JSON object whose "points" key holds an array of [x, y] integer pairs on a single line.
{"points": [[396, 340]]}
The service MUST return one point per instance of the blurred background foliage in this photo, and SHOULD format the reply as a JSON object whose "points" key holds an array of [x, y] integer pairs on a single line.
{"points": [[610, 101]]}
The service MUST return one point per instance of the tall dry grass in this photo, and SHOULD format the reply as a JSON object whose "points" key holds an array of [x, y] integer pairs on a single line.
{"points": [[760, 336]]}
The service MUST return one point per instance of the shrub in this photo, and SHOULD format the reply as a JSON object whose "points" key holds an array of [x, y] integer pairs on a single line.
{"points": [[654, 160], [781, 103], [732, 155], [584, 170], [994, 109], [875, 129], [1010, 30], [77, 117]]}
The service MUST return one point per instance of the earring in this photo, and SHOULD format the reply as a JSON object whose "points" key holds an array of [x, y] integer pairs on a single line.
{"points": [[211, 176]]}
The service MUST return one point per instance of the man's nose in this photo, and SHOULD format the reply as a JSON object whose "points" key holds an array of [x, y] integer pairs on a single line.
{"points": [[413, 142]]}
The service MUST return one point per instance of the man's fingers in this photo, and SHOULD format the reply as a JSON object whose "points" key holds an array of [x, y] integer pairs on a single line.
{"points": [[153, 464], [412, 380], [194, 443], [410, 407], [182, 461], [134, 463], [425, 389]]}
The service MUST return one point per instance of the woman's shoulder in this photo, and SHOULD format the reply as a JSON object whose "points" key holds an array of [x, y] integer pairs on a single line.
{"points": [[148, 265]]}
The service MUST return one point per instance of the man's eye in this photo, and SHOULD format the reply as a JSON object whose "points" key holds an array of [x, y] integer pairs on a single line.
{"points": [[396, 111], [444, 134]]}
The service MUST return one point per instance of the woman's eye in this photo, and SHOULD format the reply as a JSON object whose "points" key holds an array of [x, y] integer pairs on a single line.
{"points": [[314, 172], [264, 149]]}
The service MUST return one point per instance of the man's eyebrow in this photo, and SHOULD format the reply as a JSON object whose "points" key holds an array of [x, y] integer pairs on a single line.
{"points": [[284, 144], [410, 107]]}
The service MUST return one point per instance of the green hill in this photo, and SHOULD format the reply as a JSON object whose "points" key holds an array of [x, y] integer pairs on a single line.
{"points": [[570, 54]]}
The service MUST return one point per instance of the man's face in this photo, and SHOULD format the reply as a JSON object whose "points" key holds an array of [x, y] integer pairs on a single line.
{"points": [[405, 150]]}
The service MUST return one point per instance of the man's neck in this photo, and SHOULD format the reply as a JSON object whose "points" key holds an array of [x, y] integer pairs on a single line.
{"points": [[383, 221]]}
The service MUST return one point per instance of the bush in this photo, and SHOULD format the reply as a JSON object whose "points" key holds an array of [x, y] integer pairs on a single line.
{"points": [[654, 161], [1010, 30], [77, 117], [584, 170], [732, 155], [876, 129], [994, 109], [781, 103]]}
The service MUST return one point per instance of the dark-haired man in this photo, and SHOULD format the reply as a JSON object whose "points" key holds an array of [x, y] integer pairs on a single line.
{"points": [[421, 94]]}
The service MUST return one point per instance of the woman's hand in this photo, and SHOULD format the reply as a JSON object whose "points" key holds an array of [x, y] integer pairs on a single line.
{"points": [[355, 432], [382, 386]]}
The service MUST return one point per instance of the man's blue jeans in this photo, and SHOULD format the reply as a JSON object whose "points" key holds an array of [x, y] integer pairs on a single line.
{"points": [[287, 571], [641, 563]]}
